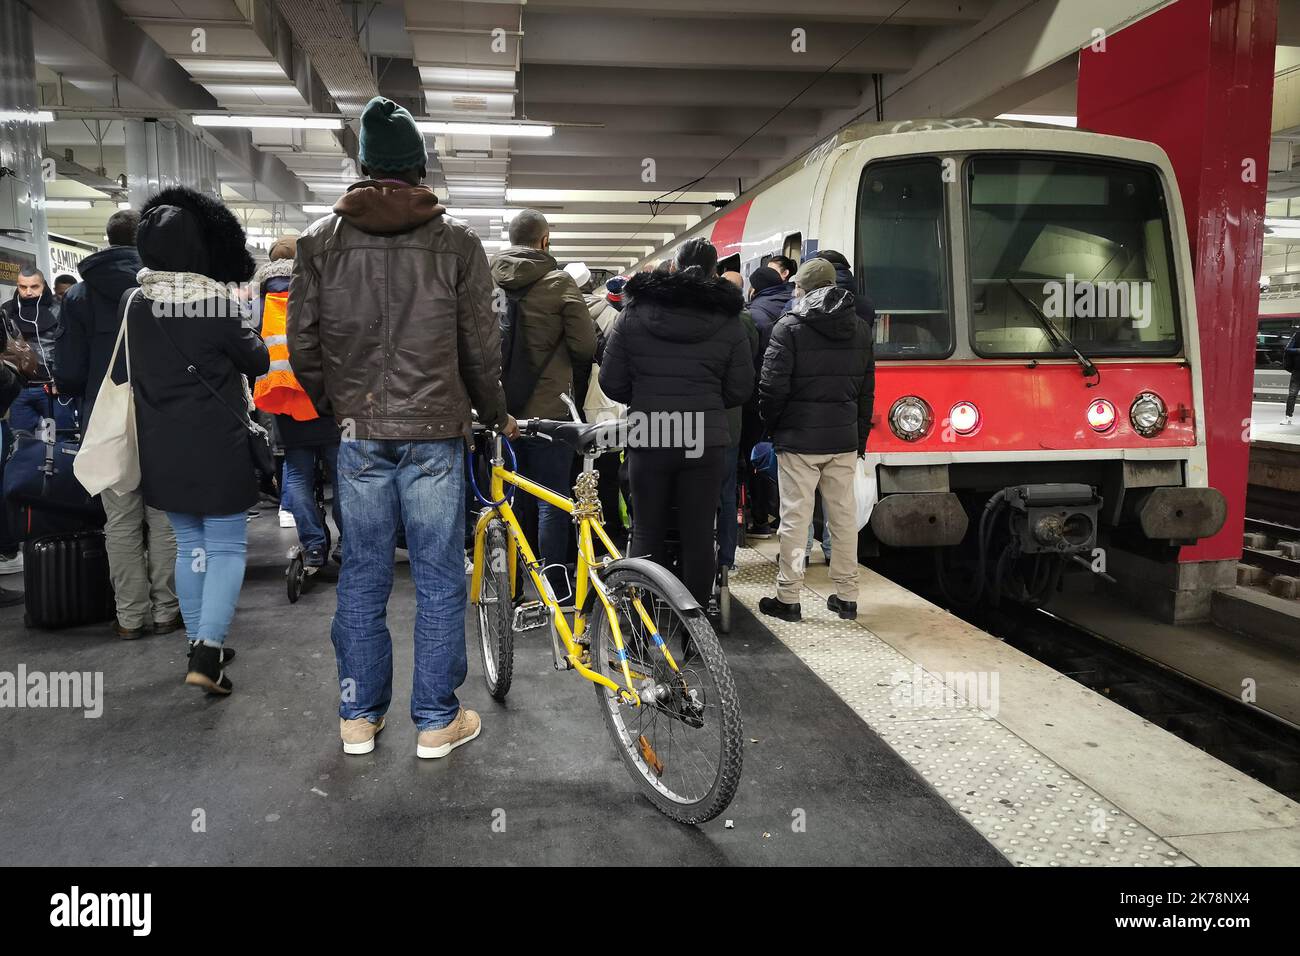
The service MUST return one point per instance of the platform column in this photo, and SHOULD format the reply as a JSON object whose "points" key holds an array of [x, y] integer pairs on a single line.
{"points": [[22, 191], [1196, 77]]}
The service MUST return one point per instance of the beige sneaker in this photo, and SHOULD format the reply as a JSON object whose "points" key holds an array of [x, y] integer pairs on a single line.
{"points": [[439, 743], [359, 734]]}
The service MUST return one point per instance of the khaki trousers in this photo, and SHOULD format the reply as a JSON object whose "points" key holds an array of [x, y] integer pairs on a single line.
{"points": [[800, 477], [142, 582]]}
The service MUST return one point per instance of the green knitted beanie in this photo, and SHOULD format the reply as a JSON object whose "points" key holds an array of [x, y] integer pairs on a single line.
{"points": [[390, 141]]}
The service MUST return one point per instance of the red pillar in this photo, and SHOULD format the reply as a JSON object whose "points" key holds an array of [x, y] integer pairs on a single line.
{"points": [[1196, 77]]}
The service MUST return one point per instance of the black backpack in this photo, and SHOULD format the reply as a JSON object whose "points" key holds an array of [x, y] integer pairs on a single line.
{"points": [[519, 370]]}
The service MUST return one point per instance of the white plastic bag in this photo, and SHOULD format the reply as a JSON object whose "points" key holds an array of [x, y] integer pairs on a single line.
{"points": [[109, 456], [864, 490], [599, 407]]}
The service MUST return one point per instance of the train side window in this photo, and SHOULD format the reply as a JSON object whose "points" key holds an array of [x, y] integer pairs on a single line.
{"points": [[792, 248], [902, 257], [729, 264]]}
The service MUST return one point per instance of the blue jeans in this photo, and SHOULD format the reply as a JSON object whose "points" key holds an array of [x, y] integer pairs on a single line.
{"points": [[727, 530], [384, 485], [548, 463], [300, 489], [826, 535], [32, 405], [210, 556]]}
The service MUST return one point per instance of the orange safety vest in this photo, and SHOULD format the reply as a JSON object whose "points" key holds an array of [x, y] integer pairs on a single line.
{"points": [[278, 391]]}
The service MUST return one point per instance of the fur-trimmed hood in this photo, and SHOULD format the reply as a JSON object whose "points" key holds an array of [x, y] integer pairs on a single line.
{"points": [[182, 230], [280, 268], [685, 306]]}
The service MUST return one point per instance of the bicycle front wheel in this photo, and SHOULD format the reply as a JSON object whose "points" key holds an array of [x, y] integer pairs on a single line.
{"points": [[494, 613], [683, 745]]}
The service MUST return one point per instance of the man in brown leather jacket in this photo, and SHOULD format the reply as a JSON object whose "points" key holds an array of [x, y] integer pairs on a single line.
{"points": [[392, 332]]}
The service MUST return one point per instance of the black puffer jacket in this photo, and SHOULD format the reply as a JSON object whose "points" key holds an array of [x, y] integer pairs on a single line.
{"points": [[813, 392], [679, 346], [90, 322], [844, 278], [194, 455]]}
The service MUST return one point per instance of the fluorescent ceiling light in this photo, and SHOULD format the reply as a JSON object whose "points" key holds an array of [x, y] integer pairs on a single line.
{"points": [[1040, 118], [67, 204], [482, 212], [484, 129], [643, 236], [26, 116], [314, 210], [268, 122], [268, 68], [611, 195], [464, 190], [444, 76], [124, 205]]}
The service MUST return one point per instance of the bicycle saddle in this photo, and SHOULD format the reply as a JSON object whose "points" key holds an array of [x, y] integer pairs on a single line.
{"points": [[581, 437]]}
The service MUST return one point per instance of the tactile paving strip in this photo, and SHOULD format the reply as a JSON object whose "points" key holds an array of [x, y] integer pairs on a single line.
{"points": [[1031, 809]]}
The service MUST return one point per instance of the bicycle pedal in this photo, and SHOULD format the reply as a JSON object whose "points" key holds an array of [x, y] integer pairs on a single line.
{"points": [[531, 614]]}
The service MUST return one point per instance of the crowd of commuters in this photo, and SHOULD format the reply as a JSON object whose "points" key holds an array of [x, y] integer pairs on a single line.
{"points": [[374, 338]]}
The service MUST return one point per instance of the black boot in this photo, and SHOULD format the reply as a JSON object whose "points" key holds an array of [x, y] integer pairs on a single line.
{"points": [[845, 609], [227, 653], [774, 607], [206, 670]]}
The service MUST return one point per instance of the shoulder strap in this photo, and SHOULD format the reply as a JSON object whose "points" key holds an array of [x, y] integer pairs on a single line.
{"points": [[193, 370]]}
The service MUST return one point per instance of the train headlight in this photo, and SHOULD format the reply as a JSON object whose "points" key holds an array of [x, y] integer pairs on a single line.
{"points": [[910, 418], [964, 418], [1101, 415], [1148, 414]]}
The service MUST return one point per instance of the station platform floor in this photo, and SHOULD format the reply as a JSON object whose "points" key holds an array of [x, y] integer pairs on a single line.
{"points": [[907, 737]]}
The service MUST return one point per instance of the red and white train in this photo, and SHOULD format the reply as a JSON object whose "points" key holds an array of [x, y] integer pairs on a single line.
{"points": [[1038, 376]]}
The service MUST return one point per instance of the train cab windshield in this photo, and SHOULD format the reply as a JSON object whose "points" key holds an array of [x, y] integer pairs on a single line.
{"points": [[902, 257], [1086, 241]]}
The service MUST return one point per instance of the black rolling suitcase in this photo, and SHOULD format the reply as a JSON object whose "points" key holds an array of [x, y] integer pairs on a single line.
{"points": [[66, 580]]}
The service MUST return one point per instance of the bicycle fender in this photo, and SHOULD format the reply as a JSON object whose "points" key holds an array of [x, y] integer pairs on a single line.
{"points": [[664, 579]]}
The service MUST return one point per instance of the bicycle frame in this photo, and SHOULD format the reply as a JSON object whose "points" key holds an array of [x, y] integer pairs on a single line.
{"points": [[586, 510]]}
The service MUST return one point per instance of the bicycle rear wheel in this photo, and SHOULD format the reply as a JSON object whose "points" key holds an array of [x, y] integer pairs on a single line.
{"points": [[684, 744], [494, 617]]}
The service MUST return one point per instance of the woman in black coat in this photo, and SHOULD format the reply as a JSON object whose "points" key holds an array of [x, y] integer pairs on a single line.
{"points": [[679, 357], [195, 463]]}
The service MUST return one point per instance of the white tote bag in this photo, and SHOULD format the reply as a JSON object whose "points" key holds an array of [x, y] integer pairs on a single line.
{"points": [[109, 456], [864, 490]]}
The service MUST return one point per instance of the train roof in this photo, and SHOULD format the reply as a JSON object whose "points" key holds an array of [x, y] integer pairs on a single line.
{"points": [[860, 131]]}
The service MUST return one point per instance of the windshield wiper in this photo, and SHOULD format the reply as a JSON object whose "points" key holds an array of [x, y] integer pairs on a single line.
{"points": [[1056, 337]]}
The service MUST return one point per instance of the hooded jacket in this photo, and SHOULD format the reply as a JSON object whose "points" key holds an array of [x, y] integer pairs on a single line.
{"points": [[391, 328], [194, 454], [38, 322], [813, 391], [867, 313], [767, 306], [91, 322], [679, 346], [556, 323]]}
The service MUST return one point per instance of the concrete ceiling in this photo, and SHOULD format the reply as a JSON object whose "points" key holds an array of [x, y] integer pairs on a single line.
{"points": [[650, 99]]}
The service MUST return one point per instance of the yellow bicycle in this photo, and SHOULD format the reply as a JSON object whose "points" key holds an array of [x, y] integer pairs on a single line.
{"points": [[660, 676]]}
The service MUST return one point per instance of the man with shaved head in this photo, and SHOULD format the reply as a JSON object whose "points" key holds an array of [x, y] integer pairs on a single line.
{"points": [[553, 335]]}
